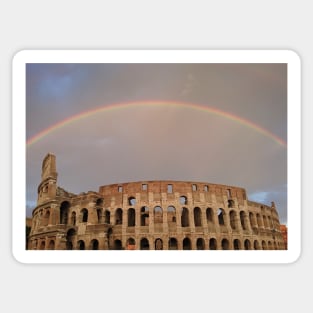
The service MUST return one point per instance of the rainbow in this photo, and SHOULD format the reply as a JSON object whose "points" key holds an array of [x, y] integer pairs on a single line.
{"points": [[119, 106]]}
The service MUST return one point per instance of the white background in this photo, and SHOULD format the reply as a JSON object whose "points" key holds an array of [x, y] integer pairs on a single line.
{"points": [[155, 25]]}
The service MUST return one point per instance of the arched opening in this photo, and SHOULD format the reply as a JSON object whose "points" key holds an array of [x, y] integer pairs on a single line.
{"points": [[42, 245], [107, 216], [158, 244], [81, 245], [51, 245], [99, 202], [236, 244], [197, 216], [209, 215], [171, 214], [259, 221], [117, 244], [264, 245], [73, 218], [132, 201], [69, 239], [232, 218], [119, 216], [265, 221], [144, 244], [64, 212], [84, 215], [225, 244], [247, 244], [183, 200], [269, 245], [256, 245], [186, 244], [172, 244], [109, 236], [231, 203], [131, 244], [99, 215], [158, 215], [131, 217], [200, 244], [243, 220], [144, 216], [46, 217], [220, 214], [185, 218], [251, 219], [212, 244], [94, 244]]}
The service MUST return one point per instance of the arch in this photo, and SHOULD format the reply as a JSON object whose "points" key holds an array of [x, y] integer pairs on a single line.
{"points": [[81, 245], [42, 245], [209, 215], [256, 245], [117, 244], [186, 244], [259, 220], [51, 245], [212, 244], [225, 244], [94, 244], [247, 244], [119, 216], [131, 217], [251, 219], [183, 200], [158, 244], [233, 219], [107, 217], [64, 208], [132, 201], [109, 237], [231, 203], [84, 215], [69, 238], [73, 218], [265, 221], [99, 215], [46, 217], [158, 215], [243, 220], [197, 216], [264, 247], [171, 214], [99, 202], [144, 216], [221, 214], [185, 218], [144, 244], [237, 244], [131, 244], [269, 245], [200, 244], [172, 244]]}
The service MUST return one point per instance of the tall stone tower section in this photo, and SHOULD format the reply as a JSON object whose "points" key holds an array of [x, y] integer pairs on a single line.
{"points": [[48, 187]]}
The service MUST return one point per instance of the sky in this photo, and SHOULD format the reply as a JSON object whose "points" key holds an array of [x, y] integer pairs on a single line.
{"points": [[113, 123]]}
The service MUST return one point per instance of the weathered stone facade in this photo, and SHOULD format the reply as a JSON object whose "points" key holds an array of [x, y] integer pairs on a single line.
{"points": [[151, 215]]}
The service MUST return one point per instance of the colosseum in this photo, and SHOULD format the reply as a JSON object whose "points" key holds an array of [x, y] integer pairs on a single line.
{"points": [[150, 215]]}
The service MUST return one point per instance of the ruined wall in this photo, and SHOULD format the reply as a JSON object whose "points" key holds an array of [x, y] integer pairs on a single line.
{"points": [[156, 215]]}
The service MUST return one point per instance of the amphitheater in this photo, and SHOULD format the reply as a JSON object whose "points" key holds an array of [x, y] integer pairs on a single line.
{"points": [[150, 215]]}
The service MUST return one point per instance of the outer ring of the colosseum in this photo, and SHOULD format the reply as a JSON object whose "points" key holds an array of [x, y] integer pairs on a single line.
{"points": [[152, 215]]}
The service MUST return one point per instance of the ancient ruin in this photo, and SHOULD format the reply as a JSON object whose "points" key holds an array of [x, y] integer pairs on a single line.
{"points": [[150, 215]]}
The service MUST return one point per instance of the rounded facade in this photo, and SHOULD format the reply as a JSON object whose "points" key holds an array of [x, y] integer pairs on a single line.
{"points": [[152, 215]]}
